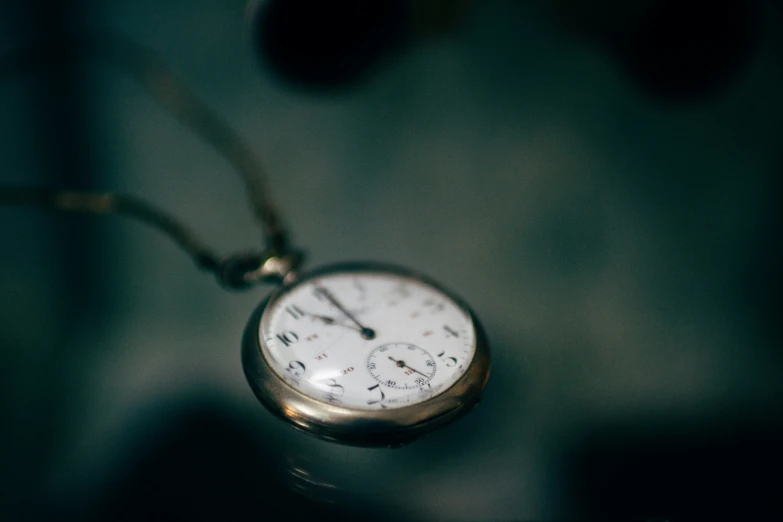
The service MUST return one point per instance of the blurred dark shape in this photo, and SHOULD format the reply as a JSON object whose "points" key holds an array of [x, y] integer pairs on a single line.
{"points": [[710, 471], [320, 44], [65, 122], [763, 293], [207, 464], [433, 17], [687, 50]]}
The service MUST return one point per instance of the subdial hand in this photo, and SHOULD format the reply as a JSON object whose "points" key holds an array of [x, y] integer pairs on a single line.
{"points": [[401, 364], [366, 333]]}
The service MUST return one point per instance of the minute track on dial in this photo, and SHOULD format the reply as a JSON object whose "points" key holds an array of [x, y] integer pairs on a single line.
{"points": [[390, 365]]}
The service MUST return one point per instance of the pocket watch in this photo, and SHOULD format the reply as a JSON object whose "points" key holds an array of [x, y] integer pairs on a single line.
{"points": [[365, 354]]}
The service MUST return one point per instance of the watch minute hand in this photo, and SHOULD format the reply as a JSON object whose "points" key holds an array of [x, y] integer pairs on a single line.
{"points": [[366, 333]]}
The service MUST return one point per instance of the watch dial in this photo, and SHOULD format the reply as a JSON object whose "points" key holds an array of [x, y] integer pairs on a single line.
{"points": [[367, 339]]}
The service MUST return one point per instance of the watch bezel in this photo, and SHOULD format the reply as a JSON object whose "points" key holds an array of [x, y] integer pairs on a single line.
{"points": [[361, 427]]}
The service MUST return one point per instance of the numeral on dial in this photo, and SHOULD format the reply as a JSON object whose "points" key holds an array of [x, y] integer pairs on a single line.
{"points": [[295, 312], [360, 288], [287, 338], [318, 292], [335, 391], [296, 369], [383, 395], [402, 291], [436, 306], [450, 331], [449, 361]]}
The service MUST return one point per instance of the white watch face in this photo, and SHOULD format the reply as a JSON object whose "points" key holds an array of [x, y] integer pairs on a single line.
{"points": [[367, 339]]}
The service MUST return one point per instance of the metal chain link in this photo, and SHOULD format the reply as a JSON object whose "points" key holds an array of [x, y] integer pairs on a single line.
{"points": [[237, 271]]}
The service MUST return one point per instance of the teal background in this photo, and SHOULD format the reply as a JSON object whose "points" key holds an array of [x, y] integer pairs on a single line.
{"points": [[623, 253]]}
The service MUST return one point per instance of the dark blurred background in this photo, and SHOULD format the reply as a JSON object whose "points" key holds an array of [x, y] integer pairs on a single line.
{"points": [[600, 180]]}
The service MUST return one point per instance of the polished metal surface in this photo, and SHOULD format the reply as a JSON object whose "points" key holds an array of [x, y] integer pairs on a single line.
{"points": [[391, 427]]}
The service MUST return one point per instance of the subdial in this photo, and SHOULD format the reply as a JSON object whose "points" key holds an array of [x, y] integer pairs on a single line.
{"points": [[400, 365]]}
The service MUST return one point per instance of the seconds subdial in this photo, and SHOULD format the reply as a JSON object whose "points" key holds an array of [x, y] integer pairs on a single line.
{"points": [[399, 365]]}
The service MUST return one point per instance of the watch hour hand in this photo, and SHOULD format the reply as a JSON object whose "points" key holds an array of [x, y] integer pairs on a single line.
{"points": [[366, 333], [330, 320]]}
